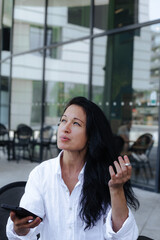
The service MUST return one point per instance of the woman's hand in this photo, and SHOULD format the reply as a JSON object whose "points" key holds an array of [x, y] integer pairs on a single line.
{"points": [[122, 174], [118, 200], [22, 226]]}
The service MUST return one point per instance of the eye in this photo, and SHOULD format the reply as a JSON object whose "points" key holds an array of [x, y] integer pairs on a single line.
{"points": [[63, 120], [76, 123]]}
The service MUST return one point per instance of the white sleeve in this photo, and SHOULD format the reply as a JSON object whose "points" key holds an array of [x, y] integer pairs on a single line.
{"points": [[13, 236], [128, 231], [32, 200]]}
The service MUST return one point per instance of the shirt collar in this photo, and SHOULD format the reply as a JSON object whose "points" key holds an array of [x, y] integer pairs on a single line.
{"points": [[59, 165]]}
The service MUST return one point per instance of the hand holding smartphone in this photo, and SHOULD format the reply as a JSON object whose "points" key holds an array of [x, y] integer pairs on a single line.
{"points": [[20, 212]]}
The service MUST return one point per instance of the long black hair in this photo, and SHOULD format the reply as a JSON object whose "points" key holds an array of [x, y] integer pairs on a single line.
{"points": [[101, 153]]}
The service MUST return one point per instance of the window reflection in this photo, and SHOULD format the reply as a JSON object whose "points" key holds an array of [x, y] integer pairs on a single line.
{"points": [[125, 73], [6, 28], [129, 75], [4, 100], [114, 14], [26, 91], [37, 38], [36, 103], [152, 7], [59, 92], [4, 92], [70, 19], [79, 16], [28, 25], [99, 70]]}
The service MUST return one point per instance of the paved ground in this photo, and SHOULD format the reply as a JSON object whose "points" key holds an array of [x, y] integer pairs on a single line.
{"points": [[147, 217]]}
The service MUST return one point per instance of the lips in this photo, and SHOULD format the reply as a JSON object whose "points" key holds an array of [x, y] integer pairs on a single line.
{"points": [[64, 138]]}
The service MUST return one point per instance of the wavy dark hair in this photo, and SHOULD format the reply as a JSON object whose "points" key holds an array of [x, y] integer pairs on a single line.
{"points": [[101, 153]]}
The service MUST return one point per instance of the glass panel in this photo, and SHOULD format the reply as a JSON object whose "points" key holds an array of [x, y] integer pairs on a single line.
{"points": [[28, 25], [101, 15], [111, 14], [26, 91], [26, 98], [128, 71], [6, 28], [4, 92], [150, 9], [98, 77], [65, 78], [67, 20], [0, 13], [145, 100], [114, 14]]}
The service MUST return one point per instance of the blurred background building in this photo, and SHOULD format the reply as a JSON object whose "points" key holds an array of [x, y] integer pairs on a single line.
{"points": [[105, 50]]}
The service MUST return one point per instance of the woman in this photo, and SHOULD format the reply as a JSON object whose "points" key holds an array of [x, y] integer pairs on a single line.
{"points": [[83, 193]]}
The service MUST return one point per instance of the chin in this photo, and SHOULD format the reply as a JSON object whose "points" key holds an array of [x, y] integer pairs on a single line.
{"points": [[62, 147]]}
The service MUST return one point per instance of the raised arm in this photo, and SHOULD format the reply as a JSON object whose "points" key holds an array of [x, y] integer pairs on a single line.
{"points": [[118, 200]]}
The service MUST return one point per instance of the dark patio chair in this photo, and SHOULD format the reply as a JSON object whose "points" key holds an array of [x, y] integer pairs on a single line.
{"points": [[44, 140], [5, 142], [140, 152], [9, 194], [144, 238], [23, 137]]}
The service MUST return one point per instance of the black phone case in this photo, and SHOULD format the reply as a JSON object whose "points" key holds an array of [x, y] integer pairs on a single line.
{"points": [[20, 212]]}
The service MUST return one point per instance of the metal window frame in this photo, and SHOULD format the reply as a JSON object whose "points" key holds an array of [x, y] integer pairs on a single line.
{"points": [[43, 78], [105, 33]]}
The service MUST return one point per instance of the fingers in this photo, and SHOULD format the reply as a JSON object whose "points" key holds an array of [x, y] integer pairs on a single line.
{"points": [[35, 223], [123, 166], [22, 226], [19, 221], [12, 216], [122, 171]]}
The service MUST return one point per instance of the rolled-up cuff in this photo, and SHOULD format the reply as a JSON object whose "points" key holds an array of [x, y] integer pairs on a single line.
{"points": [[129, 229], [11, 234]]}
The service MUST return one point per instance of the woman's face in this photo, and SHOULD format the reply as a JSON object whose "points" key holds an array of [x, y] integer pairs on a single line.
{"points": [[72, 129]]}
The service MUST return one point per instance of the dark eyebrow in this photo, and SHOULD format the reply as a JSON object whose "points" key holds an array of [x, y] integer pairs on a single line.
{"points": [[79, 120], [73, 118]]}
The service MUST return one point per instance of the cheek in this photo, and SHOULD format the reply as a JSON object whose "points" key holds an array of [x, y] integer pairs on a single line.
{"points": [[59, 130], [83, 139], [58, 133], [58, 139]]}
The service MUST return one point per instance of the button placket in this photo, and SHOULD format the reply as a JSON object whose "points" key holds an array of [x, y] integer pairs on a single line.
{"points": [[71, 210]]}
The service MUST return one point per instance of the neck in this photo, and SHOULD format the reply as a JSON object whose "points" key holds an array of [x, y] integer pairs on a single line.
{"points": [[72, 161]]}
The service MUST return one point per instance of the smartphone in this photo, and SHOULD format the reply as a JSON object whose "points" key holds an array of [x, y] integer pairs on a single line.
{"points": [[20, 212]]}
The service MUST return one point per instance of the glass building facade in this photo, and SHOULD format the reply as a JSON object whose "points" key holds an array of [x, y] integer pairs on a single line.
{"points": [[105, 50]]}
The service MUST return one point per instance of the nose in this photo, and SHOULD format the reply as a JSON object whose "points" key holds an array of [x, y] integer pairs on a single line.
{"points": [[67, 127]]}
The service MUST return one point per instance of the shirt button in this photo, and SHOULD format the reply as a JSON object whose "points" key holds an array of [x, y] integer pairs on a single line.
{"points": [[70, 208]]}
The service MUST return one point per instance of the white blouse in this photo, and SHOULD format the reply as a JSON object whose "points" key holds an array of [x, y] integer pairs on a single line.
{"points": [[47, 195]]}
